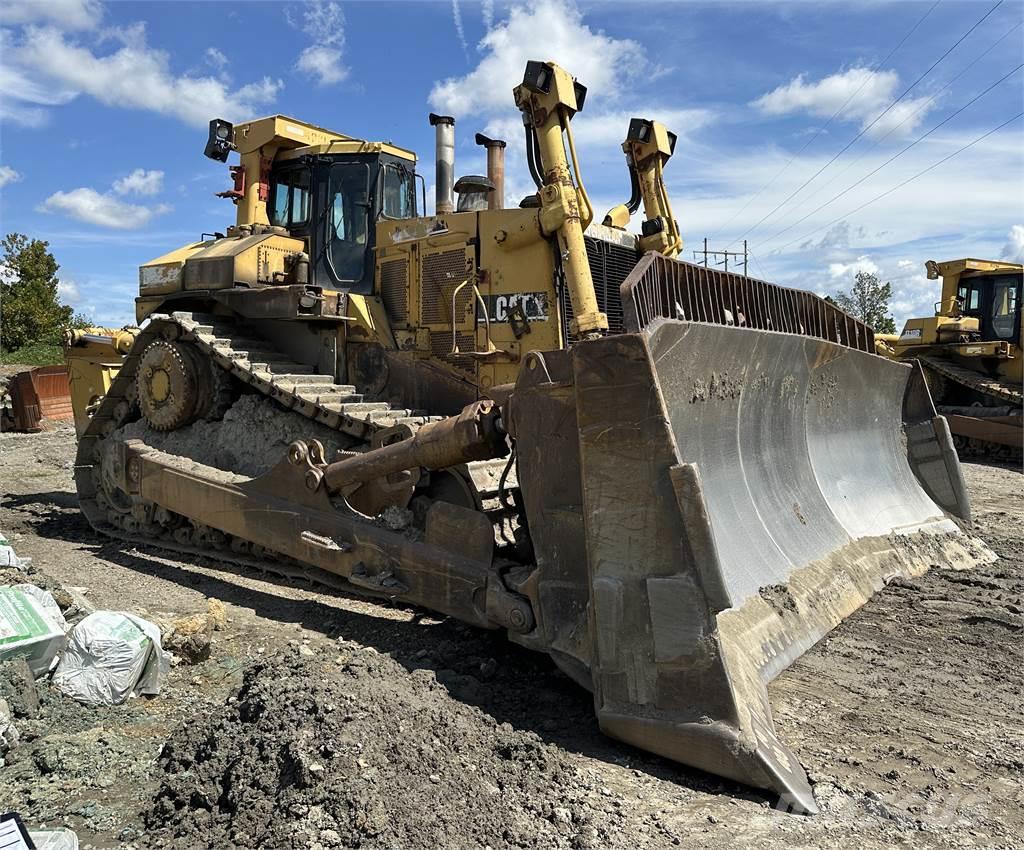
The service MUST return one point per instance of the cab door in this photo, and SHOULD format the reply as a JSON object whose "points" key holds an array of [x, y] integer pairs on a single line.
{"points": [[343, 237], [1000, 315]]}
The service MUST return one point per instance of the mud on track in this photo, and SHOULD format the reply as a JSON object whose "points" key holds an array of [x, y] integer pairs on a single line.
{"points": [[907, 716]]}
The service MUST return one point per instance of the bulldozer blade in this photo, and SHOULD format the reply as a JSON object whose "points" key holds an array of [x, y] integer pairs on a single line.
{"points": [[743, 492]]}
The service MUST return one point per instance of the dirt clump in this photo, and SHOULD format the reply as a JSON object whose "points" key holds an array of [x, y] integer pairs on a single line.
{"points": [[189, 638], [18, 688], [333, 752]]}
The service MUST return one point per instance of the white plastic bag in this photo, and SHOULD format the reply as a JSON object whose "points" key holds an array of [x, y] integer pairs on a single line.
{"points": [[7, 556], [45, 598], [27, 629], [54, 839], [111, 656]]}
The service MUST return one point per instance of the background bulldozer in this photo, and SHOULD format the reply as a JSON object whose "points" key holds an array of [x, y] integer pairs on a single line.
{"points": [[971, 353], [672, 480]]}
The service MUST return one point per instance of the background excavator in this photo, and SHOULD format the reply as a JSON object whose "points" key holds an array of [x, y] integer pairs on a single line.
{"points": [[670, 479], [971, 353]]}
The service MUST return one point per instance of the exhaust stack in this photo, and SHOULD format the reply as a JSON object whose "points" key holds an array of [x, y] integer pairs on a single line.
{"points": [[495, 170], [444, 144]]}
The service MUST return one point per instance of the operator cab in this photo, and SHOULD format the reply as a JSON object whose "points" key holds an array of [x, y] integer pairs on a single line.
{"points": [[994, 300], [323, 187], [334, 201]]}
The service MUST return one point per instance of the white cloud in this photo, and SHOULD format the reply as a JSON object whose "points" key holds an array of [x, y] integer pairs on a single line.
{"points": [[66, 14], [978, 178], [22, 99], [8, 175], [68, 292], [324, 63], [140, 182], [861, 264], [868, 92], [597, 60], [1013, 250], [216, 59], [103, 210], [906, 225], [324, 24], [460, 30], [487, 10], [613, 69], [46, 68]]}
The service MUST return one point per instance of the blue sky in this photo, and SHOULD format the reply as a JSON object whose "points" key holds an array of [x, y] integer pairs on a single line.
{"points": [[103, 112]]}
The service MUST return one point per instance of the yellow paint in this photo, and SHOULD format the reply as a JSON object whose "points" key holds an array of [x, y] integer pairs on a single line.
{"points": [[564, 205], [93, 357], [262, 141], [160, 385]]}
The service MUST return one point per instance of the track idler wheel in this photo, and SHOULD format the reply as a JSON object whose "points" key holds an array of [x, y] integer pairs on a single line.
{"points": [[170, 385]]}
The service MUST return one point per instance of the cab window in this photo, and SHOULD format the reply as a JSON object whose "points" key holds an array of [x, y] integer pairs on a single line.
{"points": [[399, 193], [1004, 307], [348, 220], [970, 298], [289, 201]]}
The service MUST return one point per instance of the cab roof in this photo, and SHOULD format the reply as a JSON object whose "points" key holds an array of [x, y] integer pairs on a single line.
{"points": [[294, 138]]}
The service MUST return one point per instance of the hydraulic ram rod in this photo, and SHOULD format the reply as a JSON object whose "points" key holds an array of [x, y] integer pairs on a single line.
{"points": [[475, 434]]}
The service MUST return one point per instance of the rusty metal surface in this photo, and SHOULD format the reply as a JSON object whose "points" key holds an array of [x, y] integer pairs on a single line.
{"points": [[663, 288], [40, 394], [1004, 430], [295, 301], [280, 512], [543, 422], [474, 434], [1004, 391]]}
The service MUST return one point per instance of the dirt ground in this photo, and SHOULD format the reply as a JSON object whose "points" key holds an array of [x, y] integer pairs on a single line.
{"points": [[322, 720]]}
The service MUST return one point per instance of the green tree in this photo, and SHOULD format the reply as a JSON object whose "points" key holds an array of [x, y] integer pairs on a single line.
{"points": [[30, 310], [869, 302]]}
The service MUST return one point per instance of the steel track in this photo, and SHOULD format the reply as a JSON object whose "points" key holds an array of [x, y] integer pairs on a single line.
{"points": [[257, 364]]}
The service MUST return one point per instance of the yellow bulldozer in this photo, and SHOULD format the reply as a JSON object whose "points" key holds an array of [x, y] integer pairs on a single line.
{"points": [[971, 354], [672, 480]]}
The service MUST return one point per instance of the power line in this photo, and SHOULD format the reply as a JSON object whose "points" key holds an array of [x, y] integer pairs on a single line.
{"points": [[724, 254], [913, 114], [901, 185], [868, 127], [757, 263], [895, 156], [824, 126]]}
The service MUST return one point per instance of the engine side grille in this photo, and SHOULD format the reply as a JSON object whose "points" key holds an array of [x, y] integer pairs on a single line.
{"points": [[441, 348], [442, 273], [394, 289], [609, 265]]}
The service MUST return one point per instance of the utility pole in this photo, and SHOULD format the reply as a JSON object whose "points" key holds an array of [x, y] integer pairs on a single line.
{"points": [[698, 255]]}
